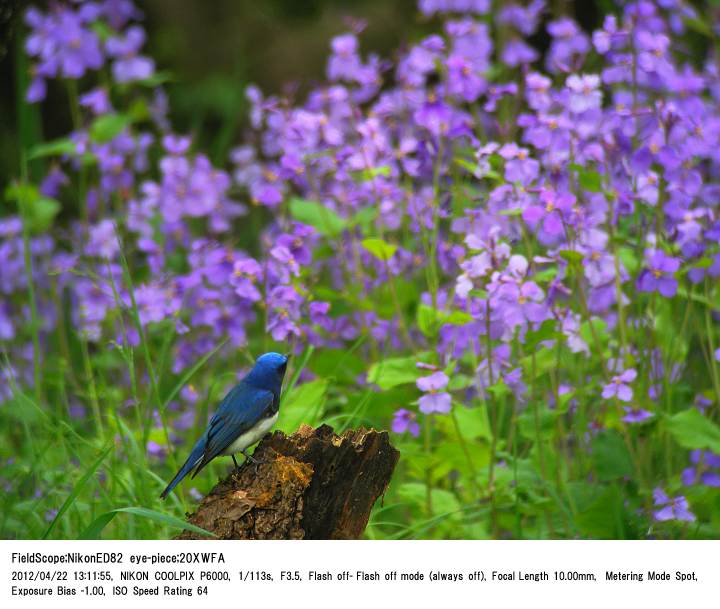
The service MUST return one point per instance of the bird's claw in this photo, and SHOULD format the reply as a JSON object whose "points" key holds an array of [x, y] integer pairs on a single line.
{"points": [[253, 460]]}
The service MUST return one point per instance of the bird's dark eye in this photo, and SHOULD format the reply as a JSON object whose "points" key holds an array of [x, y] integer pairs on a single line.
{"points": [[282, 368]]}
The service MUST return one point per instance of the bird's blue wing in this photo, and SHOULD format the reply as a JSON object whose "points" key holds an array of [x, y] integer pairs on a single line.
{"points": [[241, 409]]}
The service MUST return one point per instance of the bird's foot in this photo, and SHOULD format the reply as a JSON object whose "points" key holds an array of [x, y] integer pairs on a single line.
{"points": [[253, 460]]}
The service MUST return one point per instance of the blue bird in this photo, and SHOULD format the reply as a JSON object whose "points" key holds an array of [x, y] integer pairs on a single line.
{"points": [[244, 416]]}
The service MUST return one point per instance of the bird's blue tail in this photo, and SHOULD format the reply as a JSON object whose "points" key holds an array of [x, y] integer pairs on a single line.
{"points": [[192, 461]]}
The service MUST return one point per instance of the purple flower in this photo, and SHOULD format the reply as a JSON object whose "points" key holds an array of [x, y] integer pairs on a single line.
{"points": [[103, 241], [128, 65], [584, 92], [405, 421], [556, 208], [434, 399], [97, 101], [658, 276], [62, 43], [156, 450], [344, 63], [675, 508], [619, 388], [706, 470], [519, 167], [429, 7], [246, 273], [636, 415]]}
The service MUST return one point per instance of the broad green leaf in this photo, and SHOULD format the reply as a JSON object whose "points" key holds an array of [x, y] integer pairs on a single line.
{"points": [[325, 220], [629, 260], [443, 502], [499, 389], [430, 320], [366, 175], [379, 248], [303, 404], [545, 332], [458, 318], [571, 256], [530, 425], [599, 328], [692, 430], [610, 456], [473, 422], [364, 218], [604, 518], [395, 371], [107, 127], [545, 274], [38, 210], [545, 360], [590, 181]]}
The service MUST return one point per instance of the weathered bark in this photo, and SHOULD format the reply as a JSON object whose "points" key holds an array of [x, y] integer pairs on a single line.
{"points": [[310, 485]]}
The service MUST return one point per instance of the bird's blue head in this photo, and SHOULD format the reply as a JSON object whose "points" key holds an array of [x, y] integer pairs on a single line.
{"points": [[268, 372]]}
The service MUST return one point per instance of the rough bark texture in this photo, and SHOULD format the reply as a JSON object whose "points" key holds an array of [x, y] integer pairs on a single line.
{"points": [[313, 484]]}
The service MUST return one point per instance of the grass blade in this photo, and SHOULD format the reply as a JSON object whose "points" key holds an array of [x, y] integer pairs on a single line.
{"points": [[97, 526], [77, 489]]}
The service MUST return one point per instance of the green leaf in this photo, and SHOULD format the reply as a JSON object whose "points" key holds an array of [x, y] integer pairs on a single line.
{"points": [[693, 430], [325, 220], [54, 148], [599, 327], [430, 320], [395, 371], [96, 527], [604, 517], [366, 175], [303, 404], [443, 502], [107, 127], [379, 248], [473, 422], [545, 332], [590, 181], [37, 210], [458, 318], [610, 456], [546, 274], [364, 218], [545, 360], [158, 78], [629, 260], [499, 389], [79, 485], [571, 256], [544, 426]]}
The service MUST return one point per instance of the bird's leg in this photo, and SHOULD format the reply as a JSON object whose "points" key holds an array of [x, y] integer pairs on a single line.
{"points": [[237, 467], [253, 460]]}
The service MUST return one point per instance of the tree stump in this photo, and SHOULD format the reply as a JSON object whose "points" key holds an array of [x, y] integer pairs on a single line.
{"points": [[313, 484]]}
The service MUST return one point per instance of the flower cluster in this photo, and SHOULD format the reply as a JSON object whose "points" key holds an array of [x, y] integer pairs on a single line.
{"points": [[534, 227]]}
